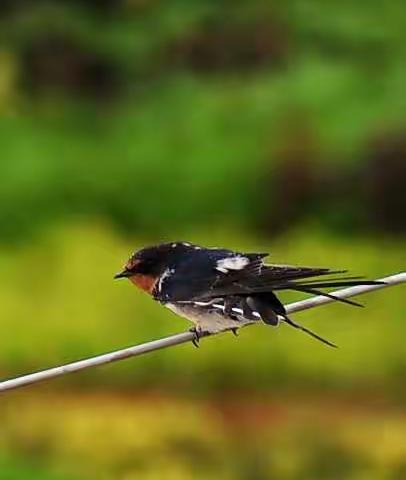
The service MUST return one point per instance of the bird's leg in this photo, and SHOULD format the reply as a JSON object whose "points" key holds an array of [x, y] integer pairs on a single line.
{"points": [[196, 337], [230, 302]]}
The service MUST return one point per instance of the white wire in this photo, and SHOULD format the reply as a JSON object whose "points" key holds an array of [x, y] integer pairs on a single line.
{"points": [[181, 338]]}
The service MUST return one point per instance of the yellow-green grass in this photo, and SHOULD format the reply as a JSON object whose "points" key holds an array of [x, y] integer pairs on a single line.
{"points": [[59, 303], [144, 437]]}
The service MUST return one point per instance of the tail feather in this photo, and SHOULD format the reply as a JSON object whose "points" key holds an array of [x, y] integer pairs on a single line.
{"points": [[314, 291], [333, 279], [340, 283], [277, 274], [308, 331]]}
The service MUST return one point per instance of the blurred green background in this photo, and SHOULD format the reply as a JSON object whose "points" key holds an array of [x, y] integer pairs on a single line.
{"points": [[256, 125]]}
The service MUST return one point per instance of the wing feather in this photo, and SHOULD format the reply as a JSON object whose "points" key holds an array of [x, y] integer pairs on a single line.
{"points": [[200, 280], [279, 277]]}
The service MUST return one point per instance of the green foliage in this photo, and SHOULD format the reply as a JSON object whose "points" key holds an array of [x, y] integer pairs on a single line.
{"points": [[108, 110]]}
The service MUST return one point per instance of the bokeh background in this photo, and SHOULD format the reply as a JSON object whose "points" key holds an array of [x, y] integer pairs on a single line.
{"points": [[256, 125]]}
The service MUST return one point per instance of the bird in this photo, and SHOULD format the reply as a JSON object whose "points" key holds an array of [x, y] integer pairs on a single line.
{"points": [[223, 290]]}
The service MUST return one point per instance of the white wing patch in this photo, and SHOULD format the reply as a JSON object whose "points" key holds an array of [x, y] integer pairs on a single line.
{"points": [[236, 310], [220, 306], [232, 263]]}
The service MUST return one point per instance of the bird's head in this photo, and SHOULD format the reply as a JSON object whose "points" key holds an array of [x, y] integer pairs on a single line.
{"points": [[149, 261]]}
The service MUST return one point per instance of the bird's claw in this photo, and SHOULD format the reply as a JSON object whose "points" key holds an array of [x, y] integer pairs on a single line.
{"points": [[196, 337], [235, 331]]}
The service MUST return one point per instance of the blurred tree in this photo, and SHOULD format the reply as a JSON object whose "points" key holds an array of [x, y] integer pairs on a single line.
{"points": [[293, 185], [216, 46], [188, 99], [58, 63], [384, 183]]}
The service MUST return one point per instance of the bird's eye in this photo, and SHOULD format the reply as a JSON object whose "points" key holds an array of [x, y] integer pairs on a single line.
{"points": [[132, 263]]}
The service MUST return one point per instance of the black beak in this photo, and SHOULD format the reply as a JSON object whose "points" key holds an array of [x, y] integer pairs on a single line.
{"points": [[124, 274]]}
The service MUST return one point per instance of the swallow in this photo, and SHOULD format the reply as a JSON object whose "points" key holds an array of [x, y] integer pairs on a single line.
{"points": [[219, 289]]}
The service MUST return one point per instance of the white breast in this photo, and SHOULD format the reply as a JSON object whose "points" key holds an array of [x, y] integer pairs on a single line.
{"points": [[211, 319]]}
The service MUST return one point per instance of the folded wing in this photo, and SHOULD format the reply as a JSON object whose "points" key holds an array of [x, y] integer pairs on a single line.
{"points": [[220, 273], [284, 277]]}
